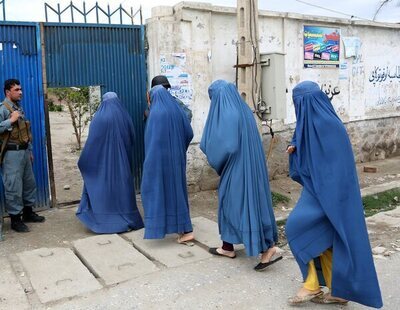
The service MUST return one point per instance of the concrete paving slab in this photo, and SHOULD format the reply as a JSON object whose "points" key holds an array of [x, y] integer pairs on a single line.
{"points": [[225, 284], [56, 273], [206, 232], [12, 295], [379, 188], [112, 259], [167, 251]]}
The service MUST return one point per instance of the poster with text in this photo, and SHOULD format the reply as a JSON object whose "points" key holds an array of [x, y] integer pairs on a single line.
{"points": [[173, 66], [321, 47]]}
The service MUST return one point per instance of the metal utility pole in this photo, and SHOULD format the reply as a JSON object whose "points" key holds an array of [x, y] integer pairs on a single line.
{"points": [[249, 69]]}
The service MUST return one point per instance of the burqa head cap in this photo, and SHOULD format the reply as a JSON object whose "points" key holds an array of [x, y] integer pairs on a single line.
{"points": [[160, 80], [109, 95]]}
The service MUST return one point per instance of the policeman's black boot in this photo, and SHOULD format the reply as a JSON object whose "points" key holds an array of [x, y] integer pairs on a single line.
{"points": [[17, 224], [29, 216]]}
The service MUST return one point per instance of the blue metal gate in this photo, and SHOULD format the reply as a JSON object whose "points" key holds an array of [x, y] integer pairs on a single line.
{"points": [[20, 58], [110, 56]]}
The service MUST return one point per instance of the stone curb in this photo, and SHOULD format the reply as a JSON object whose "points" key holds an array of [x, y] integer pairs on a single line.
{"points": [[371, 190], [366, 191]]}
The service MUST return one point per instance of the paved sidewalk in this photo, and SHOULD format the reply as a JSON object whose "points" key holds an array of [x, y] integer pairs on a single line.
{"points": [[61, 265], [160, 275], [220, 283]]}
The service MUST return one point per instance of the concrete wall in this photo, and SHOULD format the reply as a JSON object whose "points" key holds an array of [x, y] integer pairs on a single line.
{"points": [[368, 104]]}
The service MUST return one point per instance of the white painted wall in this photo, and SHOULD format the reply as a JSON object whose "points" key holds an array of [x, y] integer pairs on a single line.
{"points": [[207, 35], [202, 30]]}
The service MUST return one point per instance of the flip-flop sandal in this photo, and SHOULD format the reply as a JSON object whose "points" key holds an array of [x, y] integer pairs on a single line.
{"points": [[329, 301], [263, 266], [299, 300], [215, 252], [188, 242]]}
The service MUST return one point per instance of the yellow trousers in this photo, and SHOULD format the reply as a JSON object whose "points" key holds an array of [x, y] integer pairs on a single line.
{"points": [[312, 282]]}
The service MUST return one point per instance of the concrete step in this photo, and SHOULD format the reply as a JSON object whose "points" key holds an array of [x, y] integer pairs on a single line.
{"points": [[56, 273], [112, 259], [167, 251], [12, 294], [206, 232]]}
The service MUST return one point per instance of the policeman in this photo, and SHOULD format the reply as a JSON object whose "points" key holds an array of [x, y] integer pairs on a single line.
{"points": [[16, 159]]}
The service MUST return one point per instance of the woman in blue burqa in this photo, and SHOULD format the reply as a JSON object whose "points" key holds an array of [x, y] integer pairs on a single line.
{"points": [[164, 193], [326, 230], [233, 147], [108, 203]]}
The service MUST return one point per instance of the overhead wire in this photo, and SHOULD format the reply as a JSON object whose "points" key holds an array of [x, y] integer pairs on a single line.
{"points": [[331, 10]]}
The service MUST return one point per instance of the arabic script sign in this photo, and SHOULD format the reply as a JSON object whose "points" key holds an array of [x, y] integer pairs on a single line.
{"points": [[321, 46], [382, 74], [330, 91]]}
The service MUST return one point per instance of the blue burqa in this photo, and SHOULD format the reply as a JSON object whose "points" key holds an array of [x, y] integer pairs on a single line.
{"points": [[329, 213], [234, 149], [108, 203], [164, 192]]}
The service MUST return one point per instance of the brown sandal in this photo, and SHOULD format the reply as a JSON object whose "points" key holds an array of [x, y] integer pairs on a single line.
{"points": [[298, 300], [327, 299]]}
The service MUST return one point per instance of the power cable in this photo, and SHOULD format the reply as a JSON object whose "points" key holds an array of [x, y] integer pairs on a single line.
{"points": [[333, 11], [383, 3]]}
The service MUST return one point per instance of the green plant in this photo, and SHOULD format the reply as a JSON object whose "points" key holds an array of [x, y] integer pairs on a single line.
{"points": [[280, 223], [278, 198], [50, 104], [380, 202], [78, 103], [54, 107]]}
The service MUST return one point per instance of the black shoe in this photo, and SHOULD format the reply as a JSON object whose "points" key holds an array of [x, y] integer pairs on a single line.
{"points": [[263, 266], [29, 216], [17, 224]]}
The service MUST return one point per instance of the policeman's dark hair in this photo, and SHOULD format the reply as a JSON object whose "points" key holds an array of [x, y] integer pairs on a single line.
{"points": [[160, 80], [8, 84]]}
